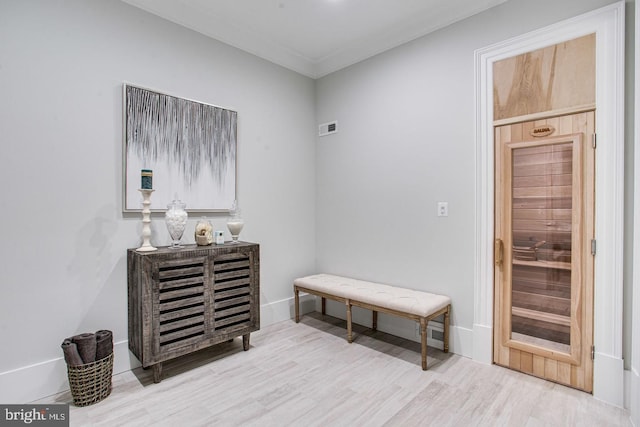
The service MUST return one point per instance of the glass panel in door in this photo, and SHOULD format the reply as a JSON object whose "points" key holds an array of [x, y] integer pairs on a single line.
{"points": [[542, 217]]}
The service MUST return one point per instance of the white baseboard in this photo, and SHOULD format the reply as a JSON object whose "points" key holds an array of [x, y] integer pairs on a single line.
{"points": [[279, 311], [634, 399], [29, 383], [461, 341], [627, 388], [482, 344], [608, 379], [38, 381]]}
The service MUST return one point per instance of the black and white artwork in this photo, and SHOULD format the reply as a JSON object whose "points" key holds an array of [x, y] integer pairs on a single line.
{"points": [[191, 148]]}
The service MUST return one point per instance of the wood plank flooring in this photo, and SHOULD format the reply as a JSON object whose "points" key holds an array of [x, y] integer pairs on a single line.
{"points": [[307, 374]]}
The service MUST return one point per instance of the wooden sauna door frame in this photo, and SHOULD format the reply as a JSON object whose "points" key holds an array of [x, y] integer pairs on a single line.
{"points": [[573, 368]]}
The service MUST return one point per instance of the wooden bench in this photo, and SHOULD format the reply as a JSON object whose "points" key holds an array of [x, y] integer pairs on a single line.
{"points": [[416, 305]]}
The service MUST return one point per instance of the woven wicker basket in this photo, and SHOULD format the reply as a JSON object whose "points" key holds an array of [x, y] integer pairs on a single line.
{"points": [[90, 383]]}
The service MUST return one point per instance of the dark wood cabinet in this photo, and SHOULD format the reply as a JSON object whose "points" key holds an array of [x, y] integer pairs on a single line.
{"points": [[183, 300]]}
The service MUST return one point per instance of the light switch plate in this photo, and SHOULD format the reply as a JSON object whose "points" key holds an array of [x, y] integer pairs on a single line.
{"points": [[443, 209]]}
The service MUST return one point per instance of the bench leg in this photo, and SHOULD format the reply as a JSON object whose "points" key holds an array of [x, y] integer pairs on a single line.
{"points": [[324, 306], [349, 336], [374, 321], [296, 295], [423, 338], [446, 329]]}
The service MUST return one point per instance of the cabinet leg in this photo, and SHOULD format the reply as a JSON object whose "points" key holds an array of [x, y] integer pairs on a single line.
{"points": [[324, 306], [157, 372], [245, 342], [374, 321]]}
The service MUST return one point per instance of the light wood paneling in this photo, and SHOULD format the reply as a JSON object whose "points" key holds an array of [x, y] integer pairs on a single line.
{"points": [[546, 80], [564, 373], [545, 199], [538, 365], [526, 362]]}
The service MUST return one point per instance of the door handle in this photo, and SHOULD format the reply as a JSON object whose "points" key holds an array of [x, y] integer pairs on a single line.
{"points": [[498, 252]]}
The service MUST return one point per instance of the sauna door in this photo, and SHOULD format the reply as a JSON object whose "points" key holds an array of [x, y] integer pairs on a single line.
{"points": [[544, 204]]}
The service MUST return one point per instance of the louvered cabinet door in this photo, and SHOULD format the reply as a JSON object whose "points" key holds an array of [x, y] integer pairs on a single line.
{"points": [[234, 292], [180, 293], [184, 300]]}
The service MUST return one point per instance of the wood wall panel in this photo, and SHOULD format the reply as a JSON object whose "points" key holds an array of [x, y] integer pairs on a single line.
{"points": [[526, 362], [551, 369], [538, 365], [545, 79], [514, 359], [564, 373]]}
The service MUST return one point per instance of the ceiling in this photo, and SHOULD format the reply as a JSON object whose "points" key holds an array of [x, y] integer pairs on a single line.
{"points": [[314, 37]]}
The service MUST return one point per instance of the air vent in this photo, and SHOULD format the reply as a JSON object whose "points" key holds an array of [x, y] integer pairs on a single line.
{"points": [[435, 335], [328, 128]]}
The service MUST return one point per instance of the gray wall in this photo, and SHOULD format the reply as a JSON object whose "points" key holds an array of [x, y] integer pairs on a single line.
{"points": [[361, 202], [406, 141], [62, 66]]}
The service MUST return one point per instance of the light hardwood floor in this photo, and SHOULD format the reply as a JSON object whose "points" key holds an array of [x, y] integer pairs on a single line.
{"points": [[306, 374]]}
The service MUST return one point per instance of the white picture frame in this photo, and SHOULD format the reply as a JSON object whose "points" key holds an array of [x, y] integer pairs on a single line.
{"points": [[190, 146]]}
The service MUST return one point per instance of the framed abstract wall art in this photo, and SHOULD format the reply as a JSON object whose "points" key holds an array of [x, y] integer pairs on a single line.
{"points": [[190, 147]]}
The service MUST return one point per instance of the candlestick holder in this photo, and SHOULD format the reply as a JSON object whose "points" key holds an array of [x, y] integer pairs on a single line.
{"points": [[146, 221]]}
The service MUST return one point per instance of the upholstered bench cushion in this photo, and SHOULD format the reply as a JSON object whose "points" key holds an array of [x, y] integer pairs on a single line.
{"points": [[400, 299]]}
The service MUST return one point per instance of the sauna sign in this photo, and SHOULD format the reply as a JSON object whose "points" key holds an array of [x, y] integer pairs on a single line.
{"points": [[540, 131]]}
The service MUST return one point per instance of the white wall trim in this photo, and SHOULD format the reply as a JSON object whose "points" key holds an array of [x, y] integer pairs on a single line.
{"points": [[634, 399], [50, 377], [461, 341], [37, 381], [482, 343], [284, 309], [608, 375], [608, 24], [628, 378]]}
